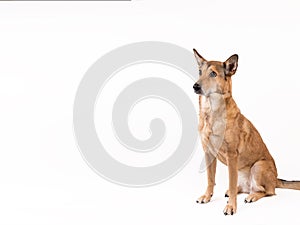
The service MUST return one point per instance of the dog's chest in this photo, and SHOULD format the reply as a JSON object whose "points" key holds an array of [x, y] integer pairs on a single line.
{"points": [[212, 123], [205, 117]]}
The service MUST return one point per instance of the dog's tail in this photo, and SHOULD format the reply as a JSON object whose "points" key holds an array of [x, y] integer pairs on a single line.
{"points": [[294, 184]]}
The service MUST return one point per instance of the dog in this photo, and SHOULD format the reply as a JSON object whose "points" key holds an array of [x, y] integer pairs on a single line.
{"points": [[227, 135]]}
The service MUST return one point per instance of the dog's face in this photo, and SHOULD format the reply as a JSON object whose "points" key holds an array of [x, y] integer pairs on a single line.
{"points": [[214, 77]]}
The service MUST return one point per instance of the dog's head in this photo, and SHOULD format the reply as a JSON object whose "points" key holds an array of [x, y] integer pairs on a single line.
{"points": [[214, 76]]}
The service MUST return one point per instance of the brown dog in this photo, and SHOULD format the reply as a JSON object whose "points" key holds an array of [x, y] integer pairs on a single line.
{"points": [[230, 137]]}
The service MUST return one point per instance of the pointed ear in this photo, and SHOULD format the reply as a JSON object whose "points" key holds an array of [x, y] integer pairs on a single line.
{"points": [[199, 58], [231, 65]]}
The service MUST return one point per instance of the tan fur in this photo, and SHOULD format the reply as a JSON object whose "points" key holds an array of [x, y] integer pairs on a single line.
{"points": [[229, 136]]}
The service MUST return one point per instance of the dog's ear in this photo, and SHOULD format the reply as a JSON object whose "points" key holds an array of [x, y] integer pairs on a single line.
{"points": [[231, 65], [199, 58]]}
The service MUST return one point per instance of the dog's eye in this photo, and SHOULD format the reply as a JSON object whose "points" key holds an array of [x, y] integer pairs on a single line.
{"points": [[200, 72], [213, 74]]}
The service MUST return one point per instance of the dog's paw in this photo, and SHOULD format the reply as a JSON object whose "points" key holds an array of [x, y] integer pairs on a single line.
{"points": [[204, 199], [254, 197], [229, 210], [248, 200]]}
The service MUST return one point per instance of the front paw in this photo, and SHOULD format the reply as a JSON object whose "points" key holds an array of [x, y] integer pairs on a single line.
{"points": [[204, 199], [229, 209]]}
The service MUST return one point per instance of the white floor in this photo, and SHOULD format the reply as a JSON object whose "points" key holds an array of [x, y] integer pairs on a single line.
{"points": [[81, 197]]}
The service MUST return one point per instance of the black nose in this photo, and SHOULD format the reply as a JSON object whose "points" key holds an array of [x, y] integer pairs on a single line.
{"points": [[196, 87]]}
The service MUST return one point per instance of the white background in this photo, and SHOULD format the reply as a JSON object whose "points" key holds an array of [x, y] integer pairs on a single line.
{"points": [[45, 49]]}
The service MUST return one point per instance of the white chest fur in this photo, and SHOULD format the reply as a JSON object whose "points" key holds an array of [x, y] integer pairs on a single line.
{"points": [[213, 118]]}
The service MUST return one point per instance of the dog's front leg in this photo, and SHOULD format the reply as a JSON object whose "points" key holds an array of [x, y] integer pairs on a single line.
{"points": [[232, 161], [211, 164]]}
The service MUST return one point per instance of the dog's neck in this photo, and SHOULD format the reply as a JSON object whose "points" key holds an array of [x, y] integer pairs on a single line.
{"points": [[217, 104]]}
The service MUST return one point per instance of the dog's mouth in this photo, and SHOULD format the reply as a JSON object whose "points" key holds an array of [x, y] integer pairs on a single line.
{"points": [[198, 92]]}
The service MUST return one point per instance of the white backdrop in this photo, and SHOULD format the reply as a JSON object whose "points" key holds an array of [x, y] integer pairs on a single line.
{"points": [[45, 49]]}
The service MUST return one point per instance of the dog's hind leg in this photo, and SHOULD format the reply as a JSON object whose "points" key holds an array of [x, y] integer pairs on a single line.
{"points": [[263, 180], [254, 197]]}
